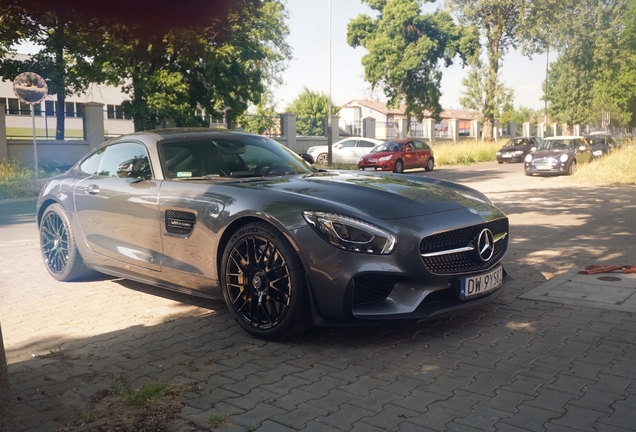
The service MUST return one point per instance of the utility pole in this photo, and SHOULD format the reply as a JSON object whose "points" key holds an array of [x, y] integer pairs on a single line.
{"points": [[329, 125]]}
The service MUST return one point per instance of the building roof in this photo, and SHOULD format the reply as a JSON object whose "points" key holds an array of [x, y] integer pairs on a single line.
{"points": [[382, 108]]}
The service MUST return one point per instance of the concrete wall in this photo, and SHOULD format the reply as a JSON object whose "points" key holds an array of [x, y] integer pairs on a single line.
{"points": [[53, 154]]}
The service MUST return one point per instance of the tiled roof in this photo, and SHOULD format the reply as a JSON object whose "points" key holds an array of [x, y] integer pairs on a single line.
{"points": [[382, 108]]}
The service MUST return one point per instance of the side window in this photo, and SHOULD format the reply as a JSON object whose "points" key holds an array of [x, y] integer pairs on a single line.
{"points": [[120, 159], [91, 163], [364, 143], [349, 143], [418, 145]]}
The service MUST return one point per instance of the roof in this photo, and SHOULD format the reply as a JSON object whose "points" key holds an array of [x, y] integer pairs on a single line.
{"points": [[563, 137], [383, 109]]}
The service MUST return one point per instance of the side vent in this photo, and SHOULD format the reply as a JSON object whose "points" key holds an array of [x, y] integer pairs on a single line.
{"points": [[179, 222]]}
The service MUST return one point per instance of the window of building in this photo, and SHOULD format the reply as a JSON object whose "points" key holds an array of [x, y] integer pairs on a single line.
{"points": [[80, 107], [49, 107], [119, 113], [110, 111], [14, 106], [69, 107]]}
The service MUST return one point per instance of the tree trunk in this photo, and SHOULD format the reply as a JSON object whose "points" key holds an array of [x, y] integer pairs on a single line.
{"points": [[60, 71], [60, 113], [6, 409]]}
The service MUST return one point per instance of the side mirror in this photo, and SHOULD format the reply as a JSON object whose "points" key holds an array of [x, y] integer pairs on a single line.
{"points": [[135, 168], [308, 158], [533, 148], [339, 146]]}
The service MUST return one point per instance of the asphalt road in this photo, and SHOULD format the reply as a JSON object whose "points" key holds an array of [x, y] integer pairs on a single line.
{"points": [[513, 365]]}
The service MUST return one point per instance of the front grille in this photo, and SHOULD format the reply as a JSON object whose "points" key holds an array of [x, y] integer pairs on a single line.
{"points": [[464, 261], [371, 289], [180, 222]]}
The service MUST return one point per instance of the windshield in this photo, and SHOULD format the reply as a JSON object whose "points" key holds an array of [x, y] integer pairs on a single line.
{"points": [[229, 156], [390, 146], [560, 144], [516, 142]]}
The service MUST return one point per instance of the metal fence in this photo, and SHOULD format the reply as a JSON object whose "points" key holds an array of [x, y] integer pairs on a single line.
{"points": [[310, 126]]}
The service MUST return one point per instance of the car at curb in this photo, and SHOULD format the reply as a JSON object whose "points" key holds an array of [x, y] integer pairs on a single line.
{"points": [[516, 149], [239, 218], [559, 155], [398, 155], [602, 143], [348, 150]]}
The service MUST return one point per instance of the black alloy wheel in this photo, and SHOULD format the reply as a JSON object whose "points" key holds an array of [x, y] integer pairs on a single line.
{"points": [[264, 284], [399, 166], [59, 249]]}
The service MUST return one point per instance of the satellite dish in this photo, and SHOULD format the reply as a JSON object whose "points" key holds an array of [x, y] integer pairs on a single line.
{"points": [[30, 88]]}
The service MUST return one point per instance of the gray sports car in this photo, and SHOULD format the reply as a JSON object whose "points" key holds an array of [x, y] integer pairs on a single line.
{"points": [[235, 216]]}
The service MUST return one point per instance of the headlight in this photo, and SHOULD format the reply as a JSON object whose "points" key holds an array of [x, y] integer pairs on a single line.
{"points": [[528, 158], [498, 153], [351, 234], [563, 157], [385, 158]]}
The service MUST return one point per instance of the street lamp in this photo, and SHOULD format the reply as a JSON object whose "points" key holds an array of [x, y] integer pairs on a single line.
{"points": [[329, 125]]}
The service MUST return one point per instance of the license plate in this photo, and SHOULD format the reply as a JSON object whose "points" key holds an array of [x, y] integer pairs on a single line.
{"points": [[369, 169], [544, 167], [505, 155], [481, 284]]}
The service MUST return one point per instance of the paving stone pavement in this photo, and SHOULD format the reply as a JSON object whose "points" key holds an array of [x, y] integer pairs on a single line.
{"points": [[512, 365]]}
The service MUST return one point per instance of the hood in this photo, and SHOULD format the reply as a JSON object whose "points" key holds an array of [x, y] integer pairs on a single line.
{"points": [[379, 154], [550, 153], [382, 196], [514, 148]]}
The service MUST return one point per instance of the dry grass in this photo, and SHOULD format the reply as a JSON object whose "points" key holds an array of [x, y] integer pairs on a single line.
{"points": [[465, 152], [619, 167]]}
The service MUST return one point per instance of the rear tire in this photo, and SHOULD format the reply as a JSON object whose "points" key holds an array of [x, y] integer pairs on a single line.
{"points": [[430, 164], [264, 284], [399, 166], [59, 248]]}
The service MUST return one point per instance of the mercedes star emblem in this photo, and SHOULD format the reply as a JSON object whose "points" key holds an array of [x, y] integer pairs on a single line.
{"points": [[485, 244]]}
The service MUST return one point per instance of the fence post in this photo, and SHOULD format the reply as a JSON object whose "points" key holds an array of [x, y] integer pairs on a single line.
{"points": [[512, 129], [94, 124], [577, 130], [474, 128], [453, 129], [430, 128], [495, 130], [404, 128], [4, 150], [526, 128], [554, 129], [288, 129], [368, 127], [335, 128]]}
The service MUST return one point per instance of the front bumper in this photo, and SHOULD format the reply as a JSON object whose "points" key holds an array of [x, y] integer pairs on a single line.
{"points": [[354, 287], [510, 158]]}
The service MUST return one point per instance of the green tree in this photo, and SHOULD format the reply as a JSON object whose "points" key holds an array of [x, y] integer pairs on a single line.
{"points": [[405, 50], [259, 118], [501, 22], [594, 71], [68, 38], [221, 67], [474, 94], [311, 109]]}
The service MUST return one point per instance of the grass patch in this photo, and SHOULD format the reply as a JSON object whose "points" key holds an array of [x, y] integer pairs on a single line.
{"points": [[18, 180], [465, 152], [218, 420], [615, 168], [143, 397]]}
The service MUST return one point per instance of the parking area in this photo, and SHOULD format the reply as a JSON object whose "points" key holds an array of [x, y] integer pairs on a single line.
{"points": [[517, 364]]}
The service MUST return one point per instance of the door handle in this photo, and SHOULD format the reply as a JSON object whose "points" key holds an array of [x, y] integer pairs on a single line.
{"points": [[92, 189]]}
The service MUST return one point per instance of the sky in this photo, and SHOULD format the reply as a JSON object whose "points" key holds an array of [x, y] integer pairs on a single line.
{"points": [[309, 39]]}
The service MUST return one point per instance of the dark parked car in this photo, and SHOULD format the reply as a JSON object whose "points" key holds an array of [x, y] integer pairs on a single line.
{"points": [[558, 155], [516, 149], [601, 143], [240, 218], [398, 155]]}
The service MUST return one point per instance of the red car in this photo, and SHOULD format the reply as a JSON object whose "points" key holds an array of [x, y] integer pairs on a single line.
{"points": [[398, 155]]}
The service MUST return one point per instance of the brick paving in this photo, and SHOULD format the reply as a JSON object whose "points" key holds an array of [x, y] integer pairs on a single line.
{"points": [[511, 365]]}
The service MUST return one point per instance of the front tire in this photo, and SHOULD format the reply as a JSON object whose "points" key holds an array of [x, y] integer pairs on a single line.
{"points": [[59, 248], [322, 158], [399, 166], [264, 283], [572, 168]]}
